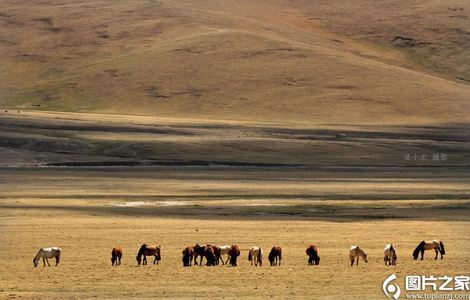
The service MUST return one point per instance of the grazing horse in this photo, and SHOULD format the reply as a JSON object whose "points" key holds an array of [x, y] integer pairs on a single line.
{"points": [[210, 255], [199, 251], [275, 256], [255, 255], [146, 250], [45, 253], [217, 252], [390, 255], [313, 257], [438, 247], [354, 252], [116, 255], [188, 254], [224, 250], [234, 253]]}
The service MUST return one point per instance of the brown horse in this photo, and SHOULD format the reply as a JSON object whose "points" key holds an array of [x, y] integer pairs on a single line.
{"points": [[116, 255], [275, 256], [199, 252], [234, 252], [438, 247], [188, 254], [313, 257], [146, 250], [210, 255], [217, 252]]}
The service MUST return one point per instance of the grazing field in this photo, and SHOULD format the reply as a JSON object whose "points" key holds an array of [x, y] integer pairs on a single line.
{"points": [[88, 211], [272, 123]]}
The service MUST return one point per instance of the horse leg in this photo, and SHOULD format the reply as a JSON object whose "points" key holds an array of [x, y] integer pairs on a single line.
{"points": [[422, 254], [48, 262], [44, 262], [155, 259], [280, 260], [352, 260], [435, 250], [357, 262], [144, 261]]}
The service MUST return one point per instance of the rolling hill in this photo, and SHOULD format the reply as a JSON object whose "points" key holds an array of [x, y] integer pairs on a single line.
{"points": [[322, 62]]}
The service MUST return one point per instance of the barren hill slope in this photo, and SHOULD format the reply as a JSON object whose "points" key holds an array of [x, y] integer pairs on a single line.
{"points": [[234, 60]]}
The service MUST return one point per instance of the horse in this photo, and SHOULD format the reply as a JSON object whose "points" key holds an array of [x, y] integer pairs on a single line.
{"points": [[198, 252], [116, 255], [217, 252], [255, 255], [354, 252], [188, 254], [146, 250], [390, 255], [313, 257], [224, 250], [234, 252], [45, 253], [275, 256], [438, 247], [210, 255]]}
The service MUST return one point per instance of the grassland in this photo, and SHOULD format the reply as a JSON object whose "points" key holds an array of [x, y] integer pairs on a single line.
{"points": [[318, 62], [251, 122], [87, 212]]}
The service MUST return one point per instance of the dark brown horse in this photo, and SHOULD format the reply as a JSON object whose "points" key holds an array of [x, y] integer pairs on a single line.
{"points": [[146, 250], [275, 256], [210, 255], [313, 257], [234, 253], [116, 255], [188, 254], [199, 252]]}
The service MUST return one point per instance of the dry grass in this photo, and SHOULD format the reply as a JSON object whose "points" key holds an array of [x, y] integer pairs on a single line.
{"points": [[77, 211], [271, 61]]}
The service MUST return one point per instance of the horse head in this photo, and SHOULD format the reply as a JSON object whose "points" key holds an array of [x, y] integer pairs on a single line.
{"points": [[419, 248]]}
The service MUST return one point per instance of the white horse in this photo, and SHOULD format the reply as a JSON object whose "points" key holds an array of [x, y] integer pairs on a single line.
{"points": [[390, 255], [356, 252], [45, 253], [224, 250], [255, 255]]}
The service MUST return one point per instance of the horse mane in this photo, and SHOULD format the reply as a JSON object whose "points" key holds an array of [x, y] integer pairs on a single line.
{"points": [[418, 248], [141, 250], [36, 258]]}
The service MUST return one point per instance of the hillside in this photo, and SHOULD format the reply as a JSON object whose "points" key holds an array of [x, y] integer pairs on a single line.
{"points": [[312, 61]]}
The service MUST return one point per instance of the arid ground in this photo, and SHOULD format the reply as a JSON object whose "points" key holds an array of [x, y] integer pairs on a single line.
{"points": [[88, 211]]}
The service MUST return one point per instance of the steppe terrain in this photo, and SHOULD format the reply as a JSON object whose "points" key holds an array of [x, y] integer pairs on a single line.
{"points": [[252, 122]]}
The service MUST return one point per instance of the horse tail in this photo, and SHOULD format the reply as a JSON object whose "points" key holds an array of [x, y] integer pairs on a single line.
{"points": [[260, 254], [441, 246], [57, 257], [250, 258]]}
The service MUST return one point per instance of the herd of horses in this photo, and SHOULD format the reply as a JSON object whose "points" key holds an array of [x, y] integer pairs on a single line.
{"points": [[228, 255]]}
